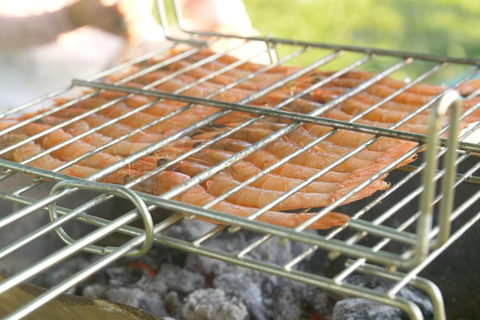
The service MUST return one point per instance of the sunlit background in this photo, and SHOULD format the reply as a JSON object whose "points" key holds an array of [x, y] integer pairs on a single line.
{"points": [[444, 27], [450, 27]]}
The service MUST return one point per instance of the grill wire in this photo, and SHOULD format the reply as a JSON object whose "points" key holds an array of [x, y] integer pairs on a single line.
{"points": [[374, 258]]}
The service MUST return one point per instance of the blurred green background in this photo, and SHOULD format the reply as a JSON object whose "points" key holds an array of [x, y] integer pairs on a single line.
{"points": [[441, 27], [450, 27], [444, 27]]}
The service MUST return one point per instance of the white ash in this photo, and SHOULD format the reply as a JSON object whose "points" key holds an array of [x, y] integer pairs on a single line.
{"points": [[408, 292], [122, 276], [213, 304], [179, 279], [180, 289], [288, 300], [94, 291], [159, 255], [172, 302], [287, 305], [60, 272], [153, 284], [269, 251], [241, 286], [357, 308], [138, 298], [135, 297], [207, 266], [319, 300], [134, 287], [228, 242], [189, 230]]}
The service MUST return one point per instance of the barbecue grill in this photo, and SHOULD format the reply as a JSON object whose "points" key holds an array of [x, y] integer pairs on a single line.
{"points": [[378, 241]]}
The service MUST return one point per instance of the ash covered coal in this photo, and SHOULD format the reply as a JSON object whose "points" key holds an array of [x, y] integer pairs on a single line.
{"points": [[354, 308], [357, 308], [213, 304], [59, 273], [170, 283], [135, 297], [179, 279], [241, 286]]}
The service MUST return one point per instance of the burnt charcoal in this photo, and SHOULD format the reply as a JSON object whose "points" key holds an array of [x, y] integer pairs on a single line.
{"points": [[153, 284], [135, 297], [172, 301], [213, 304], [241, 286], [268, 285], [288, 299], [189, 230], [94, 291], [287, 304], [121, 276], [319, 300], [61, 272], [278, 254], [179, 279], [160, 254], [238, 285], [206, 266], [269, 251], [213, 268], [357, 308], [407, 292]]}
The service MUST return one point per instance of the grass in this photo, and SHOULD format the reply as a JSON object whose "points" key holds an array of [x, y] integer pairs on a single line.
{"points": [[441, 27], [444, 27]]}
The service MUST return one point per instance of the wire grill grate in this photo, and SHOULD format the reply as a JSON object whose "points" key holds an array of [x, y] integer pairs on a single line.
{"points": [[368, 238]]}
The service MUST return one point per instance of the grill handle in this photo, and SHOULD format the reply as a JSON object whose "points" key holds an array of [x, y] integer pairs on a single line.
{"points": [[450, 102], [107, 189]]}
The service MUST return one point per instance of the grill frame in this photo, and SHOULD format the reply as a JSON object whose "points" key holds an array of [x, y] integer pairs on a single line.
{"points": [[413, 263]]}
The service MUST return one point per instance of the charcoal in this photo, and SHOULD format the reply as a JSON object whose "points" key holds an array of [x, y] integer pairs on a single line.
{"points": [[179, 279], [241, 286], [319, 300], [206, 266], [189, 230], [121, 276], [238, 285], [172, 301], [94, 291], [382, 285], [61, 272], [358, 308], [153, 284], [269, 251], [288, 300], [212, 268], [268, 285], [212, 304], [135, 297], [279, 254], [160, 254]]}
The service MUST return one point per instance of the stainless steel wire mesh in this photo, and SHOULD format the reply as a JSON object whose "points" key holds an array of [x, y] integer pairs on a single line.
{"points": [[378, 240]]}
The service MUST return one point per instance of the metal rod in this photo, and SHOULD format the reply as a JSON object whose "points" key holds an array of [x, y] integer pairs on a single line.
{"points": [[437, 252], [337, 124], [451, 100], [374, 227], [365, 50], [420, 283], [65, 252]]}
